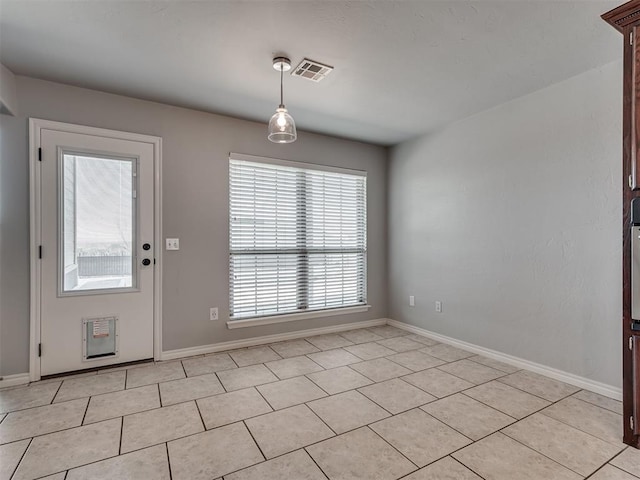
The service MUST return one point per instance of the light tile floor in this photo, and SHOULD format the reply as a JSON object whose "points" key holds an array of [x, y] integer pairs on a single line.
{"points": [[375, 403]]}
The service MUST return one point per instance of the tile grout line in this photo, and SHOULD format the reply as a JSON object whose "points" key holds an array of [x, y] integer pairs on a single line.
{"points": [[86, 409], [24, 454], [166, 449], [254, 441]]}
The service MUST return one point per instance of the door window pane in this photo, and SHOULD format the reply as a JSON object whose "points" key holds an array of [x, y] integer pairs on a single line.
{"points": [[97, 223]]}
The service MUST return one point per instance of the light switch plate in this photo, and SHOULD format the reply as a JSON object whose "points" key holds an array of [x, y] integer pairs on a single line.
{"points": [[173, 243]]}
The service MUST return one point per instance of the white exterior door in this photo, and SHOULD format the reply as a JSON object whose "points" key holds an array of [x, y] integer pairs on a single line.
{"points": [[96, 249]]}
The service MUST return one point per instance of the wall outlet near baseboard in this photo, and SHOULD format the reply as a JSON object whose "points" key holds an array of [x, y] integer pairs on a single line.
{"points": [[213, 313], [438, 306]]}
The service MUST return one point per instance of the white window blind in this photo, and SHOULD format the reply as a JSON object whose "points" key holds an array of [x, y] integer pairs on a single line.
{"points": [[298, 238]]}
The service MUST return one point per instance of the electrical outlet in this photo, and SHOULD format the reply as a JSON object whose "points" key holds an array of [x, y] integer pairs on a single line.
{"points": [[412, 301], [173, 243], [438, 306], [213, 313]]}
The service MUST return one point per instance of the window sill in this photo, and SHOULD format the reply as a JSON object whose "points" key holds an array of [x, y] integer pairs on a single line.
{"points": [[292, 317]]}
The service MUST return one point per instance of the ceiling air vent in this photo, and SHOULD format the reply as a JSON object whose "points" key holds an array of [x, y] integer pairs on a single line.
{"points": [[311, 70]]}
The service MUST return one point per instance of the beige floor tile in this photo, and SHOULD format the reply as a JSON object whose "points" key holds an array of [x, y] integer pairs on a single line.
{"points": [[288, 393], [293, 348], [401, 344], [150, 463], [361, 335], [629, 461], [471, 371], [232, 407], [499, 457], [71, 448], [359, 455], [334, 358], [369, 351], [396, 395], [576, 450], [246, 377], [208, 364], [437, 382], [144, 429], [490, 362], [297, 465], [380, 369], [88, 386], [34, 395], [287, 430], [347, 411], [509, 400], [254, 355], [212, 454], [446, 352], [419, 436], [185, 389], [429, 342], [329, 341], [159, 372], [599, 400], [339, 380], [293, 367], [387, 331], [445, 469], [539, 385], [589, 418], [125, 402], [609, 472], [416, 360], [42, 420], [468, 416], [10, 455]]}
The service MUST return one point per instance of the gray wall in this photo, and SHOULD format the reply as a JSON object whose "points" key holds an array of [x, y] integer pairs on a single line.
{"points": [[195, 189], [512, 219]]}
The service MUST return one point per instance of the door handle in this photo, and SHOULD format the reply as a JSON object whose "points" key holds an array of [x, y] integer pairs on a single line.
{"points": [[146, 246], [146, 262]]}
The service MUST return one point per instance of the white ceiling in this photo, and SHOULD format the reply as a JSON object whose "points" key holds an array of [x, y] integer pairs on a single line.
{"points": [[402, 68]]}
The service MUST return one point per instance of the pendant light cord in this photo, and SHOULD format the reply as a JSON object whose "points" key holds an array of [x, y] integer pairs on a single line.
{"points": [[281, 97]]}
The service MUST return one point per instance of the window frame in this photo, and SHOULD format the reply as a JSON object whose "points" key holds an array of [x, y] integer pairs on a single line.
{"points": [[240, 322]]}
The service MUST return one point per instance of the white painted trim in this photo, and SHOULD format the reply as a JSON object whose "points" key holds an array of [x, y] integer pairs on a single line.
{"points": [[292, 317], [278, 337], [36, 125], [14, 380], [578, 381]]}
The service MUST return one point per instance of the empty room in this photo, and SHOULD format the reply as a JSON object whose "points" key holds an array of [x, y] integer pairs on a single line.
{"points": [[319, 240]]}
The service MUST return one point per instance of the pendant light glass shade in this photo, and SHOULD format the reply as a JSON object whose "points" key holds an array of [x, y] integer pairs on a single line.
{"points": [[282, 128]]}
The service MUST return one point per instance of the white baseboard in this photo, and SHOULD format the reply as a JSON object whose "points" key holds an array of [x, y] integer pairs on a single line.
{"points": [[581, 382], [14, 380], [279, 337]]}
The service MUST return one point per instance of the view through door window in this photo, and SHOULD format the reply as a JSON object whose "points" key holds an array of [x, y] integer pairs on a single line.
{"points": [[98, 223]]}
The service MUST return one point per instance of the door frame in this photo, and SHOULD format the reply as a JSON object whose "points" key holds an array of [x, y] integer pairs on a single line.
{"points": [[36, 126]]}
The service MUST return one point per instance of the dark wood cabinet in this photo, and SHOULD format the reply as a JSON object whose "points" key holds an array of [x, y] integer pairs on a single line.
{"points": [[626, 19]]}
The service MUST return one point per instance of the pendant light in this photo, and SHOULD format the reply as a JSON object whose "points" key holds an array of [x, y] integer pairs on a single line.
{"points": [[282, 128]]}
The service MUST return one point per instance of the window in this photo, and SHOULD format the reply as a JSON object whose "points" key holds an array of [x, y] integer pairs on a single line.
{"points": [[297, 236]]}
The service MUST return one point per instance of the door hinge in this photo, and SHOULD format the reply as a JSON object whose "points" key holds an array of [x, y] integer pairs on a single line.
{"points": [[631, 423], [630, 343], [39, 251], [39, 349], [39, 154], [630, 38], [630, 180]]}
